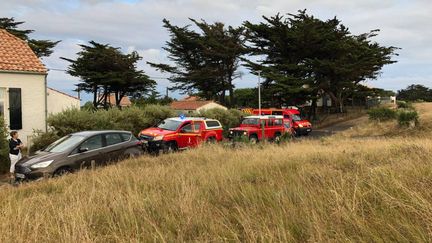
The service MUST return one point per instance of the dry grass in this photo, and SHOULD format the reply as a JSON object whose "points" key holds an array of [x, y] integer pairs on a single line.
{"points": [[334, 189]]}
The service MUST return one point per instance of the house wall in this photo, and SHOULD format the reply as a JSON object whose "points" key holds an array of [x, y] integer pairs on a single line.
{"points": [[211, 106], [58, 102], [32, 100]]}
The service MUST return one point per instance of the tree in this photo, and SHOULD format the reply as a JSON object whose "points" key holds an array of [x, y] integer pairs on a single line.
{"points": [[304, 57], [42, 48], [206, 62], [104, 71], [415, 92], [246, 97], [4, 147]]}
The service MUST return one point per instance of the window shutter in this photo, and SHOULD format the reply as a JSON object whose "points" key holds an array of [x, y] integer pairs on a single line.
{"points": [[15, 109]]}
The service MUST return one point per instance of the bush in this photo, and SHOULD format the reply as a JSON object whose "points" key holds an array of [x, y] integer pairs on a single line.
{"points": [[228, 118], [41, 140], [404, 105], [132, 119], [4, 148], [382, 114], [408, 118]]}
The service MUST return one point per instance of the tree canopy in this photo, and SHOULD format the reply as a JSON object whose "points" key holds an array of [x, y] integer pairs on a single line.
{"points": [[206, 61], [105, 70], [415, 92], [42, 48], [302, 57]]}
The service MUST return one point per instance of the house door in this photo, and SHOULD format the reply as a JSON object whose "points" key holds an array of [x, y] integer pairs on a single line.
{"points": [[2, 102]]}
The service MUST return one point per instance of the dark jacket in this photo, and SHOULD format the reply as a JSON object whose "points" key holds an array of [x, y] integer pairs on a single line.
{"points": [[13, 146]]}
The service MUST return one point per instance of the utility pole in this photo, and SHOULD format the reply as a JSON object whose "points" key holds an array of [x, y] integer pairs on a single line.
{"points": [[259, 92], [167, 89]]}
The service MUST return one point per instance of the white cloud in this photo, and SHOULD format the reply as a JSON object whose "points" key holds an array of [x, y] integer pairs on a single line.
{"points": [[137, 25]]}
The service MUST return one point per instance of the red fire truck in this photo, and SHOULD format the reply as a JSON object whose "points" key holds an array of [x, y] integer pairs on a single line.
{"points": [[292, 120], [181, 133], [257, 128]]}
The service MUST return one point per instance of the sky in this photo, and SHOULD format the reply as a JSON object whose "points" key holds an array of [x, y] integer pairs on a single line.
{"points": [[136, 25]]}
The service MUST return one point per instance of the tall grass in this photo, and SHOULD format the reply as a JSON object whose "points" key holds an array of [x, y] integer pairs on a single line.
{"points": [[341, 189], [365, 190]]}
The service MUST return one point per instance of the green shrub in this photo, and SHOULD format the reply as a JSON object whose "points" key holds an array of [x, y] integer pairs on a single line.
{"points": [[382, 114], [404, 105], [408, 117], [41, 140], [4, 148], [228, 118], [132, 119]]}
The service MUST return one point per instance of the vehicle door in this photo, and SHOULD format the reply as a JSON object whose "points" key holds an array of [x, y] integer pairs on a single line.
{"points": [[279, 126], [270, 128], [184, 134], [198, 131], [114, 147], [89, 153]]}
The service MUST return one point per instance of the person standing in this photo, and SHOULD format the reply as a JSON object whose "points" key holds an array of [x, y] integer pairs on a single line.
{"points": [[15, 146]]}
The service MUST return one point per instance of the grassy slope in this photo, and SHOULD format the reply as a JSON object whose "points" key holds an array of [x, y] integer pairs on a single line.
{"points": [[334, 189]]}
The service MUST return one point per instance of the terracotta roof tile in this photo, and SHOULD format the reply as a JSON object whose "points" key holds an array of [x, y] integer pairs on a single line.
{"points": [[189, 105], [16, 55]]}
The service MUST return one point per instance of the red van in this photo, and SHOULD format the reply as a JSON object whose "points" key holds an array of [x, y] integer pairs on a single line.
{"points": [[292, 120]]}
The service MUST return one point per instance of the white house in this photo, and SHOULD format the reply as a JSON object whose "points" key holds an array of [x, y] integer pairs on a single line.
{"points": [[194, 104], [25, 100]]}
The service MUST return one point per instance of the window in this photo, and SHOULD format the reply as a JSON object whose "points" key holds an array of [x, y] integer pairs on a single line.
{"points": [[64, 144], [197, 126], [287, 124], [170, 125], [113, 138], [212, 124], [251, 121], [270, 123], [15, 111], [125, 136], [187, 128], [2, 101], [93, 143], [278, 122]]}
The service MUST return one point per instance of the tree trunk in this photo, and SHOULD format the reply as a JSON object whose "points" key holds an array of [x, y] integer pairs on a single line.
{"points": [[312, 110], [95, 99]]}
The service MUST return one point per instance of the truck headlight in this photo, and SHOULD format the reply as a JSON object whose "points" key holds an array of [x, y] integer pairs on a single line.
{"points": [[42, 164], [158, 138], [245, 133], [231, 132], [300, 125]]}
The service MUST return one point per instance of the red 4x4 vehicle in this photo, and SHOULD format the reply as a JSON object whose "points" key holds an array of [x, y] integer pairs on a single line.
{"points": [[251, 127], [292, 120], [180, 133]]}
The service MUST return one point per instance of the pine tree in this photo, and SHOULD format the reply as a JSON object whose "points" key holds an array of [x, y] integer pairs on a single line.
{"points": [[206, 62]]}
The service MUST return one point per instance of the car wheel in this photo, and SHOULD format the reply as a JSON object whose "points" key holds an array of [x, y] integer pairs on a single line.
{"points": [[253, 139], [211, 140], [277, 138], [62, 171], [170, 148]]}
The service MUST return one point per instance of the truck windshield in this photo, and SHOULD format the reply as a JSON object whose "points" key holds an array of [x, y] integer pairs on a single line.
{"points": [[296, 118], [64, 144], [250, 121], [170, 125]]}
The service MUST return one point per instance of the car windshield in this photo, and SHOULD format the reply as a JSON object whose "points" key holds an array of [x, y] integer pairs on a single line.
{"points": [[64, 144], [170, 125], [296, 118], [250, 121]]}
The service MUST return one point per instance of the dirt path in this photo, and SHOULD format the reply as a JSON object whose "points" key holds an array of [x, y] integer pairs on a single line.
{"points": [[339, 127]]}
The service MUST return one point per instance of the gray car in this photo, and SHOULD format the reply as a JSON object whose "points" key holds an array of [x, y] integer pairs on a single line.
{"points": [[79, 150]]}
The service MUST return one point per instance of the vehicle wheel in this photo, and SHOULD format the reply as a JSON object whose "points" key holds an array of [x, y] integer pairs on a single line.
{"points": [[211, 140], [277, 138], [62, 171], [253, 139], [170, 148]]}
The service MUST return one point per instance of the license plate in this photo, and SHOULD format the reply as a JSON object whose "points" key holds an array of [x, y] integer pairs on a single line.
{"points": [[308, 130], [21, 176], [144, 142]]}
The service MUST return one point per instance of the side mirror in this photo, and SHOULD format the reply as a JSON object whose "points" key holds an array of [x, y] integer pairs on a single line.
{"points": [[82, 150]]}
